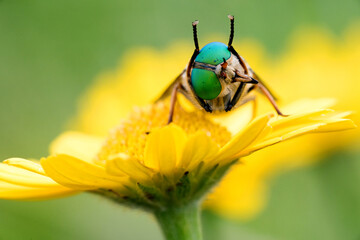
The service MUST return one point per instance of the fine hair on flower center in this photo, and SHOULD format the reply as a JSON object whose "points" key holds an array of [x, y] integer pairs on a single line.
{"points": [[131, 135]]}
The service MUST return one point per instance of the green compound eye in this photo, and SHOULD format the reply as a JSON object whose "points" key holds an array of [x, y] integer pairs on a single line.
{"points": [[213, 53], [205, 83]]}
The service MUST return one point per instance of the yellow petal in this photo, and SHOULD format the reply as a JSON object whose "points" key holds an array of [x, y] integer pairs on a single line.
{"points": [[292, 122], [284, 125], [25, 164], [336, 115], [124, 164], [338, 125], [164, 148], [77, 174], [274, 140], [15, 192], [24, 179], [259, 146], [77, 144], [199, 147], [293, 126], [243, 139]]}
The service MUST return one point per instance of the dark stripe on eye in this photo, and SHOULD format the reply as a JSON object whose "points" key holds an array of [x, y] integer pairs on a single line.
{"points": [[204, 66]]}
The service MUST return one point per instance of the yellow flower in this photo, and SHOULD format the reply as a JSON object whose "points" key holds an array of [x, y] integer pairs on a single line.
{"points": [[314, 65], [149, 164]]}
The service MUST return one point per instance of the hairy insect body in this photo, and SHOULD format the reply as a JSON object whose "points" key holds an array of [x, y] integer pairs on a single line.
{"points": [[217, 78], [223, 67]]}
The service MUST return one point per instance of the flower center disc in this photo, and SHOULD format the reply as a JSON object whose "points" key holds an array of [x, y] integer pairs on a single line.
{"points": [[131, 135]]}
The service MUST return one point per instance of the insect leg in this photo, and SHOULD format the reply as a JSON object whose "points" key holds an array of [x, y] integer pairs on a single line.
{"points": [[263, 83], [200, 101], [244, 78], [172, 102], [204, 105], [270, 98], [236, 97]]}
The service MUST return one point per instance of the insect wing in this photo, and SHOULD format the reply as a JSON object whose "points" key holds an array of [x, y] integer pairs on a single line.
{"points": [[170, 88]]}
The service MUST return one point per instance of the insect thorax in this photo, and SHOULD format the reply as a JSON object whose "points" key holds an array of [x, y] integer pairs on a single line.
{"points": [[228, 87]]}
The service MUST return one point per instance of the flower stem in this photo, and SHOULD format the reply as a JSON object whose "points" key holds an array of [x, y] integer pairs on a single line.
{"points": [[180, 223]]}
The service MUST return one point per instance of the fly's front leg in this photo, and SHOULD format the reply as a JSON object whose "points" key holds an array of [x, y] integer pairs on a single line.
{"points": [[239, 77], [173, 102], [270, 98]]}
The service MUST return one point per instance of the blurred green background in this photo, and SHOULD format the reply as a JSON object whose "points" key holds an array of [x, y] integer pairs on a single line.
{"points": [[51, 51]]}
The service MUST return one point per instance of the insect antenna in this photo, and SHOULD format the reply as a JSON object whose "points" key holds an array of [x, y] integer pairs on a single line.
{"points": [[196, 51], [195, 34], [231, 17], [231, 48]]}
